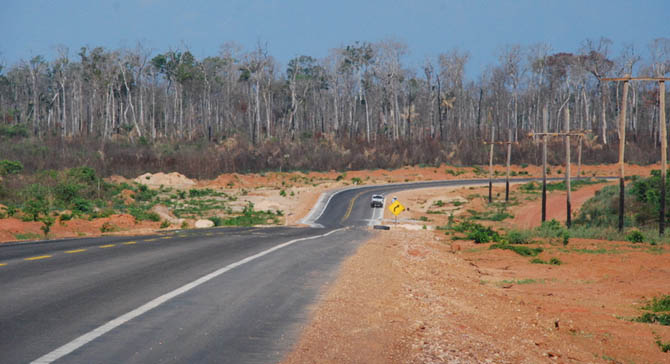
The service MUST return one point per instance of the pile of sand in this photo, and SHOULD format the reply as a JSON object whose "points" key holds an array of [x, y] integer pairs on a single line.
{"points": [[174, 180]]}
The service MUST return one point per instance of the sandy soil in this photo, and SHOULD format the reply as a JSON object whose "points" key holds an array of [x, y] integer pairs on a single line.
{"points": [[410, 295]]}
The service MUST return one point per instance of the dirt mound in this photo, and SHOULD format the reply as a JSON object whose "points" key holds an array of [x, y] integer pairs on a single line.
{"points": [[174, 180]]}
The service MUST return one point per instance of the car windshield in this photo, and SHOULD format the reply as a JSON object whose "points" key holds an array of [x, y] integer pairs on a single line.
{"points": [[377, 197]]}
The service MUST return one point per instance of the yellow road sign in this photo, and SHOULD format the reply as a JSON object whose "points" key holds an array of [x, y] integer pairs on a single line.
{"points": [[396, 208]]}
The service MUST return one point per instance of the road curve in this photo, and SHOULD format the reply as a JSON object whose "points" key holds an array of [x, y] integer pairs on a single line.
{"points": [[228, 295]]}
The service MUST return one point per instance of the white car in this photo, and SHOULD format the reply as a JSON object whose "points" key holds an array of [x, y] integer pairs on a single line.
{"points": [[377, 201]]}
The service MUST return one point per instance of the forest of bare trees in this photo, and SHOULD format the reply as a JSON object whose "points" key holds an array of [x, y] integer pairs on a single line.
{"points": [[356, 103]]}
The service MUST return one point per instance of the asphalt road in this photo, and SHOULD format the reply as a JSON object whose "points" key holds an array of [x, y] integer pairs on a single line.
{"points": [[228, 295]]}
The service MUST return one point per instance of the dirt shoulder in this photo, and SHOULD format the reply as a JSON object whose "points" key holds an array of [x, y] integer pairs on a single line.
{"points": [[411, 295]]}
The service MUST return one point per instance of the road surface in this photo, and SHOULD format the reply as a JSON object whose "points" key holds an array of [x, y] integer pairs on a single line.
{"points": [[222, 295]]}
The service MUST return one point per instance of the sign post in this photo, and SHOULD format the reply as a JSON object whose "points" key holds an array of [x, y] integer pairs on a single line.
{"points": [[396, 208]]}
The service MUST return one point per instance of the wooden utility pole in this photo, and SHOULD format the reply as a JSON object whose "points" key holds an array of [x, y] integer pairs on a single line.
{"points": [[568, 220], [545, 122], [566, 135], [493, 129], [664, 153], [622, 142], [622, 148], [509, 159], [579, 156]]}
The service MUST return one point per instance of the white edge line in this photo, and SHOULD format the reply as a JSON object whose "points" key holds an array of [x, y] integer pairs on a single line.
{"points": [[111, 325]]}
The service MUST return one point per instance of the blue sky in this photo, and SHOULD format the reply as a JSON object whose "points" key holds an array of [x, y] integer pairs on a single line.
{"points": [[313, 27]]}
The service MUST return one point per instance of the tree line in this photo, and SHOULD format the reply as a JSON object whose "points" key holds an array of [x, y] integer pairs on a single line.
{"points": [[361, 93]]}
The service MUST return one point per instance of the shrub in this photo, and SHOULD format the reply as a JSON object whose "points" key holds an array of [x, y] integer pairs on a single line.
{"points": [[282, 193], [67, 191], [218, 221], [65, 217], [140, 214], [653, 318], [82, 206], [47, 221], [635, 236], [12, 131], [356, 181], [521, 250], [10, 167], [165, 224], [659, 304], [552, 261], [83, 174], [144, 193], [518, 237], [551, 229], [200, 192], [481, 234], [33, 208]]}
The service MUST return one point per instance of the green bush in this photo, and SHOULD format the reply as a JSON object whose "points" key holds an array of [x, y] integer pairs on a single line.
{"points": [[82, 206], [67, 191], [521, 250], [65, 217], [140, 214], [165, 224], [200, 192], [218, 221], [10, 167], [12, 131], [635, 236], [654, 318], [47, 221], [481, 234], [144, 193], [518, 237], [83, 174], [657, 304], [33, 208], [552, 261], [551, 229]]}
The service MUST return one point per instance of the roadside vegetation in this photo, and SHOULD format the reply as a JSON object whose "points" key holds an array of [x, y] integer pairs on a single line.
{"points": [[54, 196], [596, 219]]}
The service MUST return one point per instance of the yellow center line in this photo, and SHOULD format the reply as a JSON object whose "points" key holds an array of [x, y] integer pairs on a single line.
{"points": [[154, 239], [106, 246], [75, 251], [38, 257], [130, 243], [3, 264], [351, 206], [166, 237]]}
